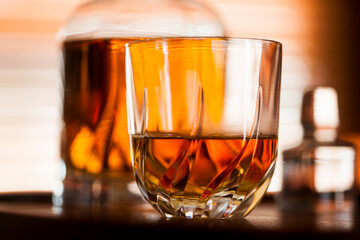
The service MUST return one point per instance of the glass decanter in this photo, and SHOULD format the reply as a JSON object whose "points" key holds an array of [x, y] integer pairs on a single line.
{"points": [[318, 175], [95, 152]]}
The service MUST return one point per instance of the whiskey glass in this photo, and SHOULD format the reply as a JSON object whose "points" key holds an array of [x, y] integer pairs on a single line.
{"points": [[203, 117]]}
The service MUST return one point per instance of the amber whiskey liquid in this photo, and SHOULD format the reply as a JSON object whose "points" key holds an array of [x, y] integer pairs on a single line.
{"points": [[95, 137], [95, 142], [176, 172]]}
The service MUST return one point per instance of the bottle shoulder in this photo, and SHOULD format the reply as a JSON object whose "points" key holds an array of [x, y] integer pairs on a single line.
{"points": [[142, 18], [309, 147]]}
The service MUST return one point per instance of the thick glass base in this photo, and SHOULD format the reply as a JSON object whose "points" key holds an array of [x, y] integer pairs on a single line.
{"points": [[225, 204], [81, 190]]}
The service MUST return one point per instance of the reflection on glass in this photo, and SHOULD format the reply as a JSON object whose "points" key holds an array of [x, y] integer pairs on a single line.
{"points": [[334, 169]]}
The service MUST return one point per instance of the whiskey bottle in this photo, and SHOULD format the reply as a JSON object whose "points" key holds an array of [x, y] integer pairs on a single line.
{"points": [[95, 167], [318, 174]]}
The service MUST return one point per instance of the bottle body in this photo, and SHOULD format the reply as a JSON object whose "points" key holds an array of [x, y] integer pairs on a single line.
{"points": [[318, 177]]}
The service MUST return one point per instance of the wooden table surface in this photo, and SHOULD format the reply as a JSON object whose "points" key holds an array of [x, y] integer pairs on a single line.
{"points": [[32, 216]]}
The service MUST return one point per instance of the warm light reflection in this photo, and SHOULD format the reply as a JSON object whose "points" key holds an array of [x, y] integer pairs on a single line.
{"points": [[326, 113], [292, 23], [334, 169], [242, 72], [29, 78]]}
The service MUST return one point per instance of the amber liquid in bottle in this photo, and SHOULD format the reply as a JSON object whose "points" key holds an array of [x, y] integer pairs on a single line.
{"points": [[95, 138], [196, 168]]}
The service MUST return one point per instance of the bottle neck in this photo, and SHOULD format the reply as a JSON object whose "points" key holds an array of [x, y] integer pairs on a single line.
{"points": [[321, 134]]}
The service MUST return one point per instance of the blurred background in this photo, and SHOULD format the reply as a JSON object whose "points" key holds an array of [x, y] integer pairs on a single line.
{"points": [[320, 46]]}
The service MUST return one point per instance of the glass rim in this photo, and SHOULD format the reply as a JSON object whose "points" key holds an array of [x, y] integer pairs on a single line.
{"points": [[228, 39]]}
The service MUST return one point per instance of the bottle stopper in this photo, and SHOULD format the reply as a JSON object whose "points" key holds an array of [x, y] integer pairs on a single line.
{"points": [[320, 112]]}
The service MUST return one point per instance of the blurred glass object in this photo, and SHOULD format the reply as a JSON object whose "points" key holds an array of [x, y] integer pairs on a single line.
{"points": [[141, 18], [318, 175], [95, 143]]}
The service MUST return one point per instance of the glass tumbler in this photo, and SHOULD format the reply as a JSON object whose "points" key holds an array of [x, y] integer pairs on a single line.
{"points": [[203, 117]]}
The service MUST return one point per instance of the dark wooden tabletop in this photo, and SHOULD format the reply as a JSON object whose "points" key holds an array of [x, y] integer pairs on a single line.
{"points": [[32, 216]]}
